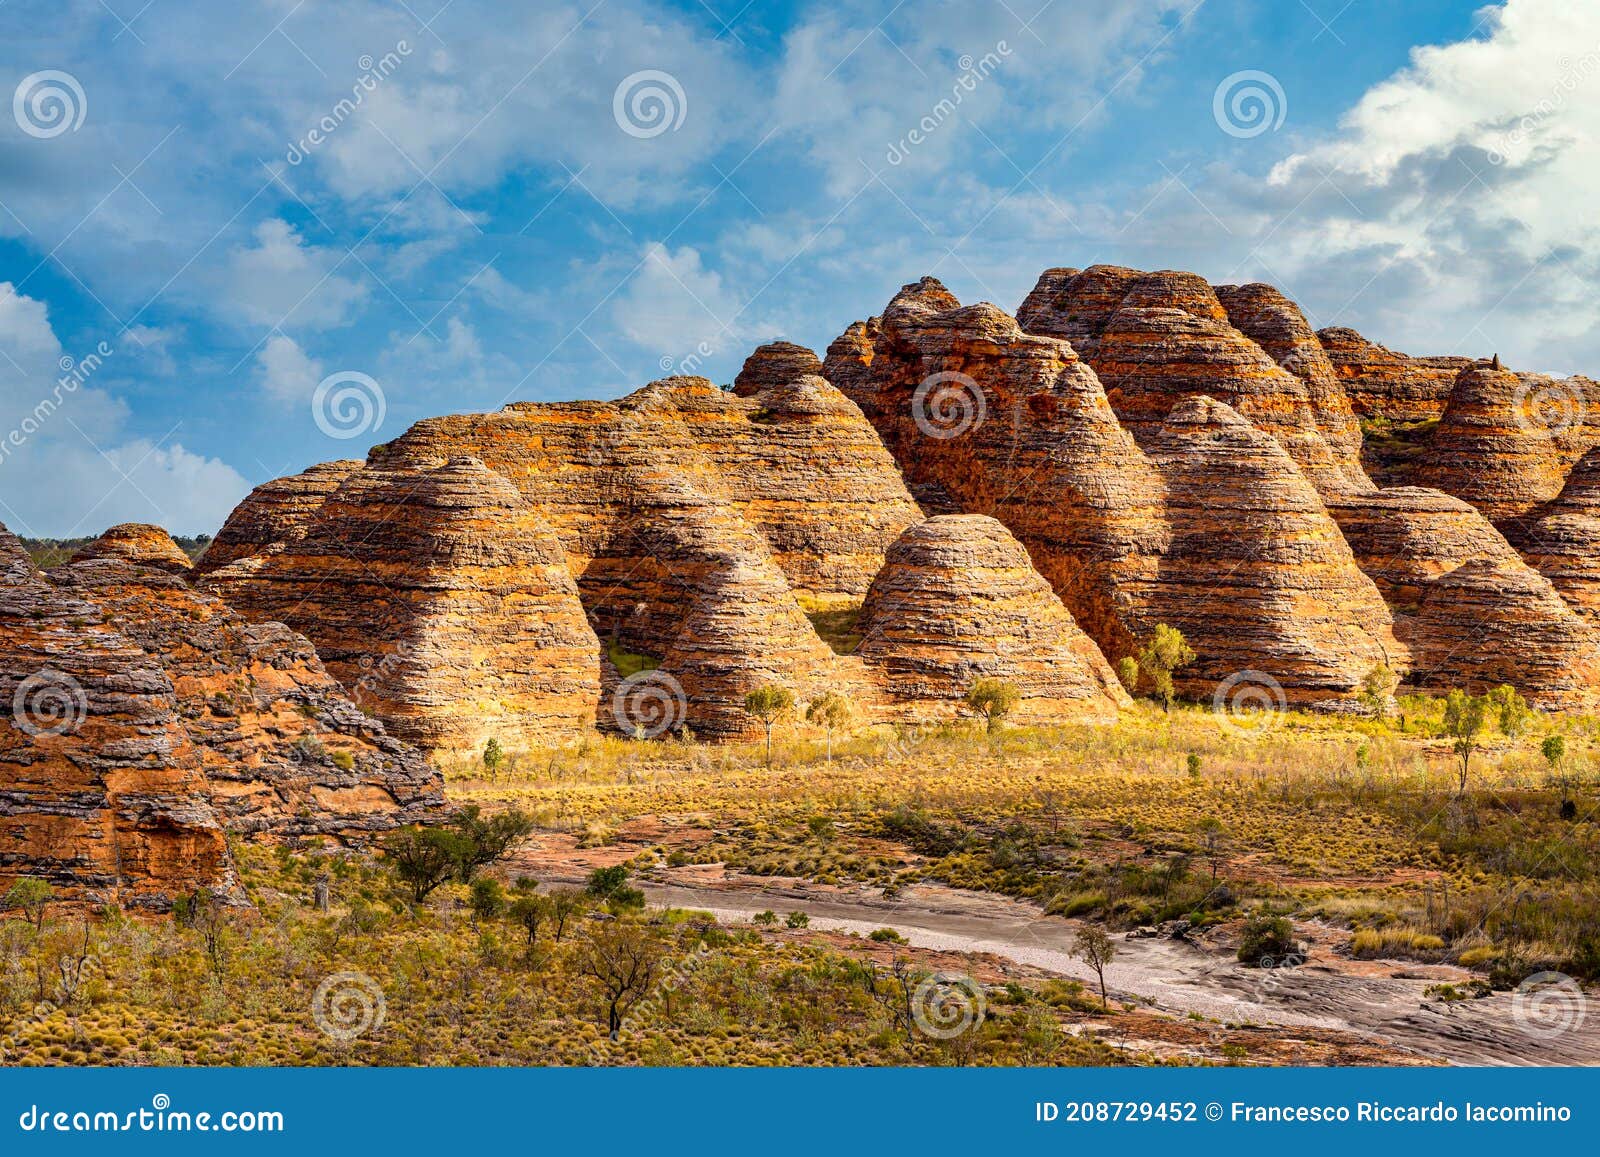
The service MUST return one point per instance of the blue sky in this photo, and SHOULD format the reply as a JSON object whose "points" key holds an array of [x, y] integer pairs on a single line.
{"points": [[495, 220]]}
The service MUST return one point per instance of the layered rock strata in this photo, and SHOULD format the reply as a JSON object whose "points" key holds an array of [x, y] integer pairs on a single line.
{"points": [[959, 600], [1381, 383]]}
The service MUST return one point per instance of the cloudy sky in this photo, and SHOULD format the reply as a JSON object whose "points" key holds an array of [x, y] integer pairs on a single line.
{"points": [[297, 227]]}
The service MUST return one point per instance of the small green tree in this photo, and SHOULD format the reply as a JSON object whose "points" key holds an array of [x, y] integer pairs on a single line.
{"points": [[1464, 719], [424, 858], [493, 757], [603, 882], [32, 897], [1166, 652], [993, 699], [566, 904], [1377, 689], [485, 840], [796, 919], [829, 711], [1128, 674], [487, 899], [1511, 711], [1096, 949], [768, 704], [622, 958]]}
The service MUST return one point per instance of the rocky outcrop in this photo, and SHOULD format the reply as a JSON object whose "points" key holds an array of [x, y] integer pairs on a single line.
{"points": [[441, 600], [1381, 383], [276, 514], [101, 788], [1257, 568], [1562, 539], [1506, 441], [1155, 339], [959, 600], [283, 750], [1128, 539], [140, 543], [775, 364]]}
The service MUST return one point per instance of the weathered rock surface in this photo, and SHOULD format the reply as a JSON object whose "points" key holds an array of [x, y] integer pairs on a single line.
{"points": [[146, 718], [283, 749], [441, 600], [1562, 539], [1381, 383], [101, 788], [1128, 539], [276, 513], [139, 543], [959, 600], [775, 364], [1168, 337], [1506, 441]]}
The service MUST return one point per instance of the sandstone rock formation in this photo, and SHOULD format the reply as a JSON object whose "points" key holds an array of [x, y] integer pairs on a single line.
{"points": [[1506, 441], [276, 513], [1381, 383], [147, 718], [138, 543], [101, 788], [440, 599], [775, 364], [959, 600], [1128, 539], [1562, 539]]}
